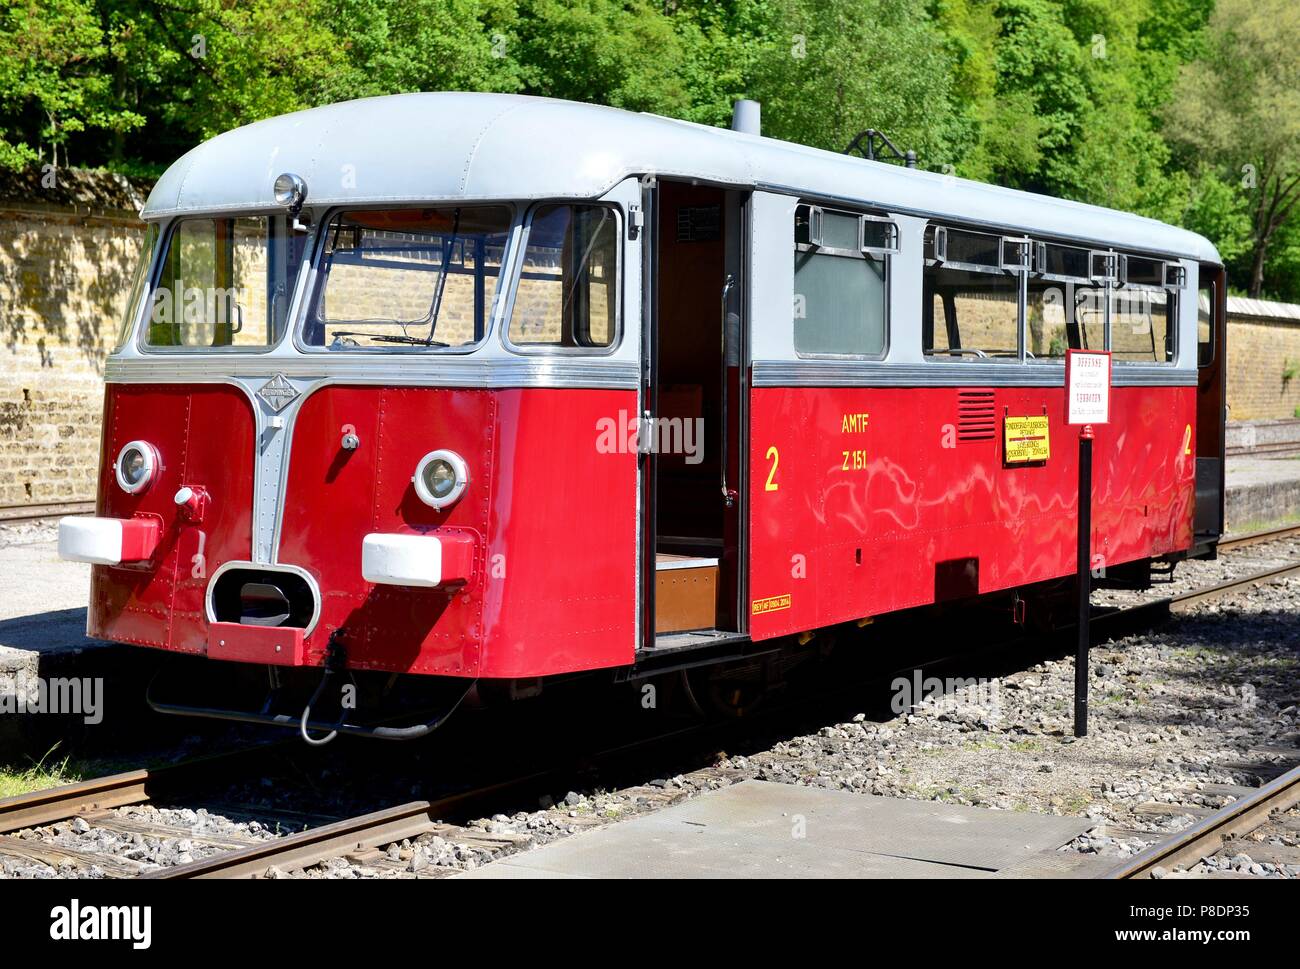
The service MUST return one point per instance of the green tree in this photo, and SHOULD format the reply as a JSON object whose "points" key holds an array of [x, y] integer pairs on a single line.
{"points": [[624, 54], [836, 67], [1238, 107], [721, 43], [52, 68], [241, 62], [421, 45]]}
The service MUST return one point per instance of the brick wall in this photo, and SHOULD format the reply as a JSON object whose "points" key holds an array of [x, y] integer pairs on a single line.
{"points": [[1259, 354], [67, 251]]}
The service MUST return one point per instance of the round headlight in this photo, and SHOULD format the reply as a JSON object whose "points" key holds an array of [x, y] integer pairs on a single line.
{"points": [[441, 478], [137, 463], [290, 190]]}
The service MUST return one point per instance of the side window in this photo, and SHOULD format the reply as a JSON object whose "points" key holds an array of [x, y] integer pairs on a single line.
{"points": [[1207, 298], [567, 296], [840, 282], [1065, 310], [971, 298], [1144, 311]]}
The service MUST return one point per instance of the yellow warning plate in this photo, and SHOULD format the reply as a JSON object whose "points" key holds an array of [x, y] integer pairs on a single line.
{"points": [[1026, 439]]}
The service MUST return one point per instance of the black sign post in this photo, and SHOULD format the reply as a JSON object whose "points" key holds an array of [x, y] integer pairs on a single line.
{"points": [[1087, 402], [1084, 573]]}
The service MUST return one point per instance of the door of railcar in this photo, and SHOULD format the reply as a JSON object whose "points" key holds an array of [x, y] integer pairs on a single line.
{"points": [[1211, 348], [694, 414]]}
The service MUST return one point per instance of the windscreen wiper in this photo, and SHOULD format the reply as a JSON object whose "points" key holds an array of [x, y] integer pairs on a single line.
{"points": [[442, 281], [392, 338]]}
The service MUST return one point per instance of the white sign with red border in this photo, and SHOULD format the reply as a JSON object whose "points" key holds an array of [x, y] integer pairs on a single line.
{"points": [[1087, 387]]}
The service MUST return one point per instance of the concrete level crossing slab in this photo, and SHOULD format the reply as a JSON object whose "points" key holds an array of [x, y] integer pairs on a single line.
{"points": [[759, 829]]}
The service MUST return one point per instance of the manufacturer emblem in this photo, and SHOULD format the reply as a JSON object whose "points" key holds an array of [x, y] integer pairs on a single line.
{"points": [[277, 392]]}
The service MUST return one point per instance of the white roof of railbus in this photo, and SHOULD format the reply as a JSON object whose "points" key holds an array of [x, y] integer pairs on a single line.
{"points": [[428, 147]]}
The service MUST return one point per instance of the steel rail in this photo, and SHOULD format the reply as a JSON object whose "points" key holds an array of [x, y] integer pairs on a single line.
{"points": [[1208, 836], [1229, 542], [1184, 600], [58, 803], [116, 790], [306, 848], [53, 509]]}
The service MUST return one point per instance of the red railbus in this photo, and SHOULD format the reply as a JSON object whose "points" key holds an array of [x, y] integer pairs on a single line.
{"points": [[482, 390]]}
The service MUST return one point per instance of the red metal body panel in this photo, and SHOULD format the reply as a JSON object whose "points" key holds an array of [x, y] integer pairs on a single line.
{"points": [[276, 645], [204, 437], [553, 586], [552, 522], [910, 504]]}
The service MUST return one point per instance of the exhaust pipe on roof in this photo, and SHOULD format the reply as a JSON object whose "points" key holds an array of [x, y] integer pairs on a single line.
{"points": [[746, 117]]}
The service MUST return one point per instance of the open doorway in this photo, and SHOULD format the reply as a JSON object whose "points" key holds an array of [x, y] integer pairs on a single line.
{"points": [[698, 408]]}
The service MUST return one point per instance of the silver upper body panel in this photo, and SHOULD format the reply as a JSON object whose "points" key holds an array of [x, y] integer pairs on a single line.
{"points": [[448, 146]]}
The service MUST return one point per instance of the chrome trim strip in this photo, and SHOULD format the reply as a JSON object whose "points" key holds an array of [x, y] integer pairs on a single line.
{"points": [[836, 373], [477, 373], [1137, 375], [264, 567]]}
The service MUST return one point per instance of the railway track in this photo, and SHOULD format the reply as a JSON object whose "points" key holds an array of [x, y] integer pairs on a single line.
{"points": [[116, 790], [1216, 833], [1259, 538], [56, 509], [360, 837]]}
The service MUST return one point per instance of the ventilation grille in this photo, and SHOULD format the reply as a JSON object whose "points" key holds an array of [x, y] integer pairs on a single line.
{"points": [[976, 416]]}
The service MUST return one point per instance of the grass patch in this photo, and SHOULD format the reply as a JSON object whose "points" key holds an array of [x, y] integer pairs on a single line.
{"points": [[35, 775]]}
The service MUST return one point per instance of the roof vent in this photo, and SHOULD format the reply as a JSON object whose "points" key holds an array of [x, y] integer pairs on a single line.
{"points": [[746, 117]]}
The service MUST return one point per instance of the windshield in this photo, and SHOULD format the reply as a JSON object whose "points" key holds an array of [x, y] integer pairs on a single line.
{"points": [[224, 283], [420, 278]]}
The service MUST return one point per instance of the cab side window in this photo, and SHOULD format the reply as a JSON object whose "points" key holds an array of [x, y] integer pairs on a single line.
{"points": [[567, 296]]}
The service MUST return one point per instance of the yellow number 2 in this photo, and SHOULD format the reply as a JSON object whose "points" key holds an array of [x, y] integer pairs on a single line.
{"points": [[775, 458]]}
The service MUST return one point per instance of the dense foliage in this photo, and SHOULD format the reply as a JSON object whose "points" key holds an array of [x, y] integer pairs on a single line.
{"points": [[1185, 110]]}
